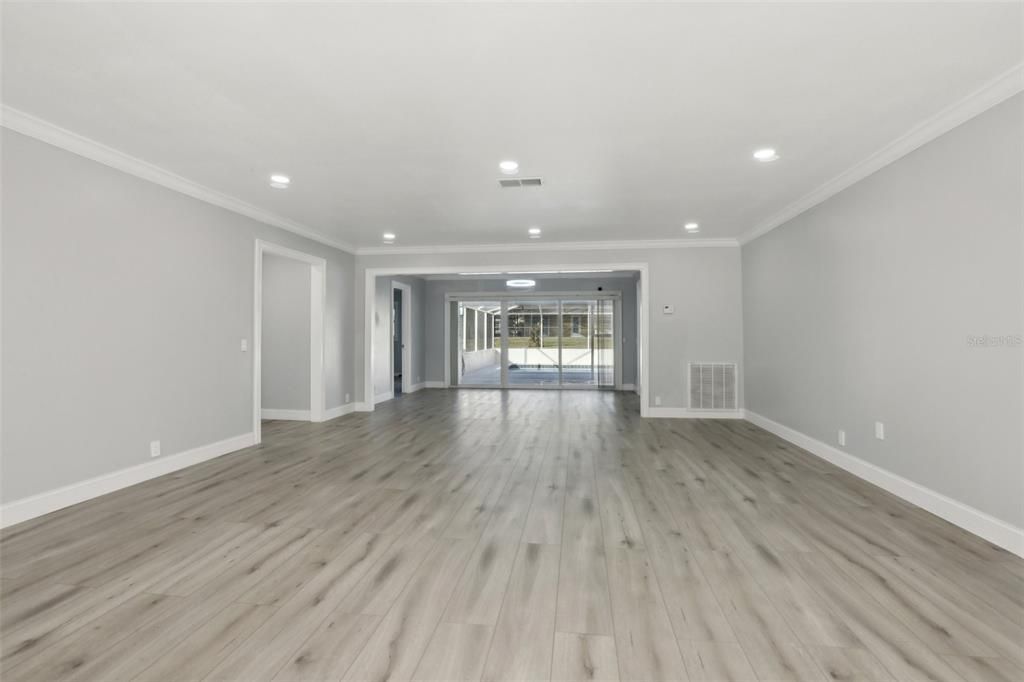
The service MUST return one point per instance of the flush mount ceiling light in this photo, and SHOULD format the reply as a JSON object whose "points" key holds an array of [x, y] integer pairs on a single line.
{"points": [[520, 283], [765, 155], [691, 227], [509, 167], [388, 237], [278, 181], [534, 231]]}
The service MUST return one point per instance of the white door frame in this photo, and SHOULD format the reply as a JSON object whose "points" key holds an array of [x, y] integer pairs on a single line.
{"points": [[406, 337], [317, 296], [369, 308]]}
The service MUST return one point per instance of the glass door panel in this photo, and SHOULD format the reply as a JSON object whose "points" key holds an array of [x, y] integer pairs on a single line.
{"points": [[478, 343], [603, 336], [532, 343], [588, 352]]}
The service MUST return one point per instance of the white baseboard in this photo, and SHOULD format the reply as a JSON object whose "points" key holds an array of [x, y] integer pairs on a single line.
{"points": [[383, 397], [628, 387], [52, 500], [363, 407], [433, 384], [339, 411], [417, 387], [686, 413], [294, 415], [996, 531]]}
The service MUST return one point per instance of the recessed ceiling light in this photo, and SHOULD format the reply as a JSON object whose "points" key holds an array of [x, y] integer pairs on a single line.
{"points": [[520, 283], [388, 236], [765, 155], [278, 181], [691, 227], [509, 167], [534, 230]]}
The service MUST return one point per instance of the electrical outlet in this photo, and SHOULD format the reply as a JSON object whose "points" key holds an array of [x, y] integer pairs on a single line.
{"points": [[879, 430], [842, 437], [154, 448], [346, 397], [657, 400]]}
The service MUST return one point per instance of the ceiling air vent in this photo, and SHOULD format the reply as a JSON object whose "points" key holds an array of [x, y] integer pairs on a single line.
{"points": [[712, 386], [519, 182]]}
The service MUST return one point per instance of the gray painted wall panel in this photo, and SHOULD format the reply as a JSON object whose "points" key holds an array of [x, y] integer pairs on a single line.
{"points": [[285, 351], [861, 308], [124, 305]]}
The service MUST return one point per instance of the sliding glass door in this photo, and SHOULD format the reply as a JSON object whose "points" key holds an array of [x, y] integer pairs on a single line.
{"points": [[535, 342], [478, 343]]}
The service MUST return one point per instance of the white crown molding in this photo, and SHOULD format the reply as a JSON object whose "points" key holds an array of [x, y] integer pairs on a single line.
{"points": [[999, 89], [549, 246], [47, 132], [996, 531]]}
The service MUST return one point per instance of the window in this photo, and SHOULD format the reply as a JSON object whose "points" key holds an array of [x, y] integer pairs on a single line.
{"points": [[469, 339]]}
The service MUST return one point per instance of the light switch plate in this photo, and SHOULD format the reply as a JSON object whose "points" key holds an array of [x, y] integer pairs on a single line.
{"points": [[879, 430], [667, 309]]}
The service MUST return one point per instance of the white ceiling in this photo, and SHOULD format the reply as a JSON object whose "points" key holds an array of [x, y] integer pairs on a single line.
{"points": [[394, 117]]}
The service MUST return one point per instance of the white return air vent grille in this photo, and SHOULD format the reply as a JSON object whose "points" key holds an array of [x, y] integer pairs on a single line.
{"points": [[509, 183], [712, 386]]}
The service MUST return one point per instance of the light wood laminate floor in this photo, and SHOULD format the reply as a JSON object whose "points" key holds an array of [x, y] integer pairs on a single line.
{"points": [[488, 535]]}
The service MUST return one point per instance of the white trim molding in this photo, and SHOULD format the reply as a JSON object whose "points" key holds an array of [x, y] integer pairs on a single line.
{"points": [[975, 521], [686, 413], [999, 89], [549, 246], [339, 411], [44, 131], [288, 415], [417, 387], [383, 397], [434, 384], [52, 500]]}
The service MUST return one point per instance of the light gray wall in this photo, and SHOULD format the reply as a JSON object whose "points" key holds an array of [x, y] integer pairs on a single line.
{"points": [[285, 342], [702, 283], [861, 309], [414, 336], [436, 290], [124, 307]]}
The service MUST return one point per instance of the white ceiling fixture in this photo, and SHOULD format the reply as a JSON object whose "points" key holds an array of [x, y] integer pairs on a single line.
{"points": [[388, 237], [520, 283], [278, 181], [691, 227], [509, 167], [902, 65], [766, 155], [534, 231]]}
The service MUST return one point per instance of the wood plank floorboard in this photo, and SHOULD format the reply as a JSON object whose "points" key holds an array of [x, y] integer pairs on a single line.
{"points": [[519, 535]]}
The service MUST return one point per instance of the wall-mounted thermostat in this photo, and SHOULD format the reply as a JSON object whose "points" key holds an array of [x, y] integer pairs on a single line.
{"points": [[667, 309]]}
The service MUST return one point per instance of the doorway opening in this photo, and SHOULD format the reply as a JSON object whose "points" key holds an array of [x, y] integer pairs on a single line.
{"points": [[401, 344], [288, 335]]}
